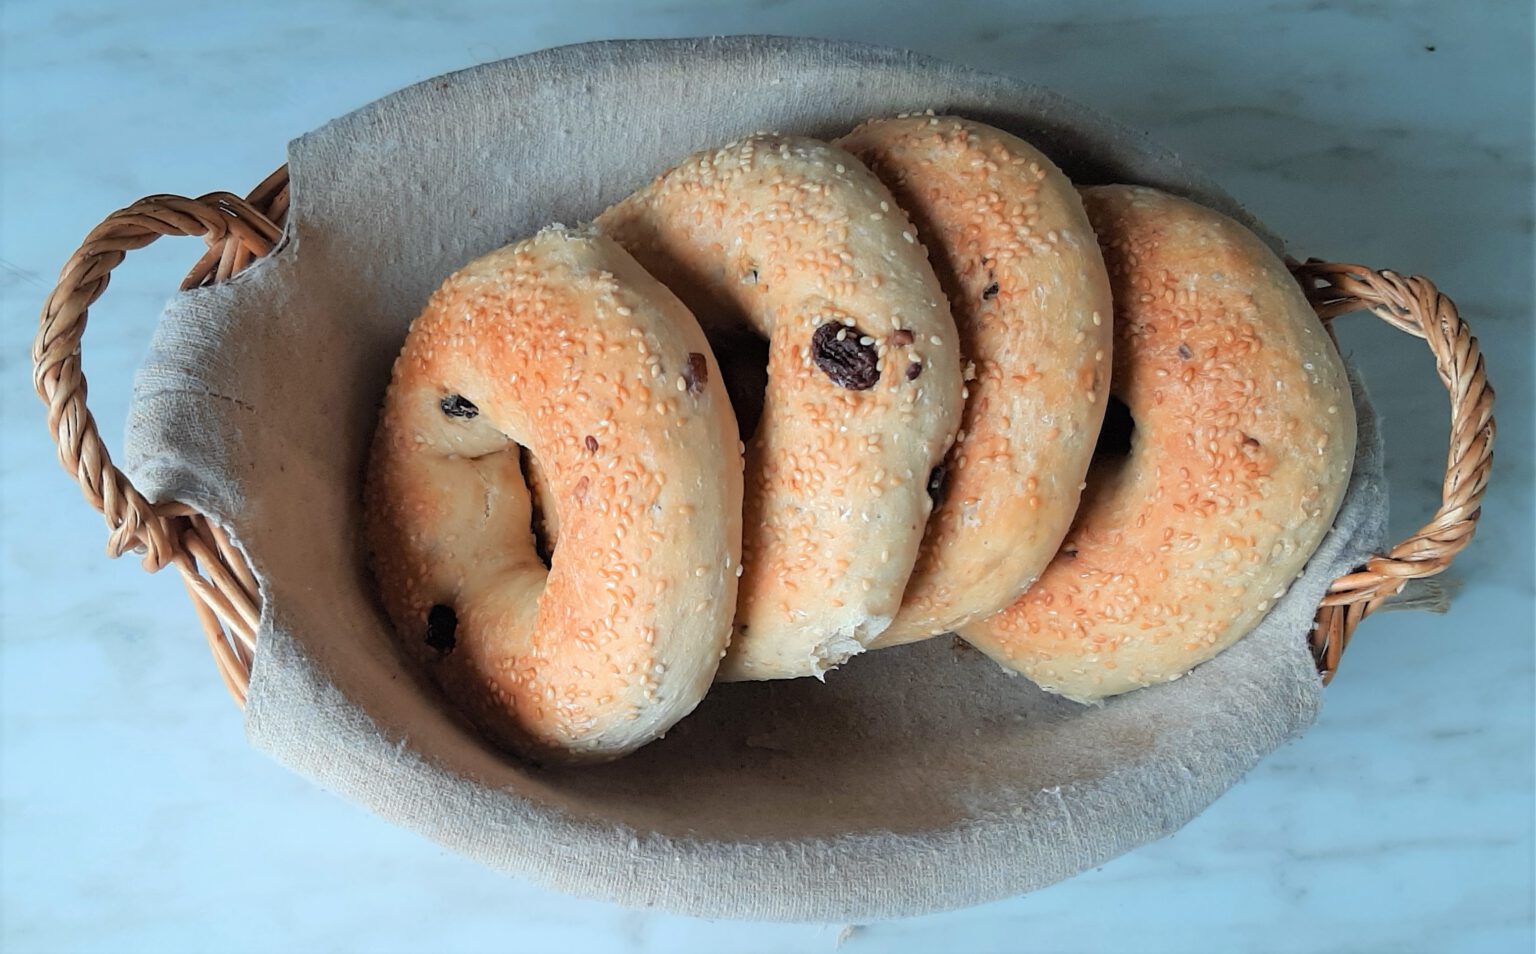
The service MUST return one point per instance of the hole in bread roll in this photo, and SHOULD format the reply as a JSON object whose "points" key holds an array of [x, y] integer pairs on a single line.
{"points": [[938, 483], [1115, 435], [743, 360], [442, 626], [545, 519]]}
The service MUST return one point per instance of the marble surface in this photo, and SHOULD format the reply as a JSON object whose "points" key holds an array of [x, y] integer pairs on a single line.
{"points": [[1395, 134]]}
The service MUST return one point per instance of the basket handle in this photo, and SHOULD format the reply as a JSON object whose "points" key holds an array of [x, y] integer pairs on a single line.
{"points": [[1413, 305], [238, 231]]}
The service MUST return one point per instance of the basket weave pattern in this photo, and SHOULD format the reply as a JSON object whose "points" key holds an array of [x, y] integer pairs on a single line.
{"points": [[240, 231]]}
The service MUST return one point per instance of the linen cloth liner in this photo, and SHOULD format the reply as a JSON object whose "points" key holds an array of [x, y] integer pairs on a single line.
{"points": [[916, 779]]}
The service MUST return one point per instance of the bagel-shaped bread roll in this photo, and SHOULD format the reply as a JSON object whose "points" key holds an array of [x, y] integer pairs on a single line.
{"points": [[1242, 436], [1013, 249], [797, 241], [564, 345]]}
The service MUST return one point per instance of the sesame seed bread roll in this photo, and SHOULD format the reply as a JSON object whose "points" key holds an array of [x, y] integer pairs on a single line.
{"points": [[564, 345], [1012, 246], [1241, 442], [795, 240]]}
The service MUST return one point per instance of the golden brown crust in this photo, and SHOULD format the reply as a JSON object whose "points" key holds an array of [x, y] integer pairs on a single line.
{"points": [[1243, 443], [564, 345], [797, 240], [1012, 246]]}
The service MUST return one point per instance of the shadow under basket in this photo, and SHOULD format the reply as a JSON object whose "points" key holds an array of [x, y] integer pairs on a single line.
{"points": [[915, 779]]}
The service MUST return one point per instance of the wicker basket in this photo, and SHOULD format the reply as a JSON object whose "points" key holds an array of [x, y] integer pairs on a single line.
{"points": [[239, 231], [736, 814]]}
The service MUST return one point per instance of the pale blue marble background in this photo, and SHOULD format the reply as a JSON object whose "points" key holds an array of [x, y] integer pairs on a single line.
{"points": [[135, 818]]}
